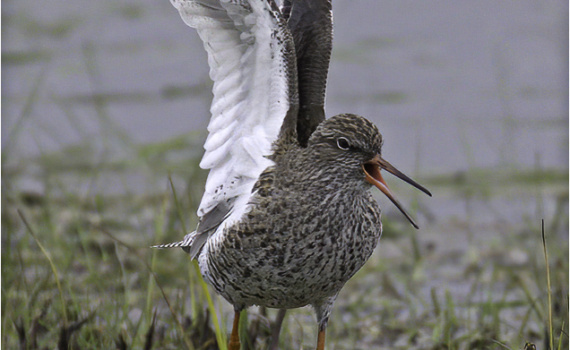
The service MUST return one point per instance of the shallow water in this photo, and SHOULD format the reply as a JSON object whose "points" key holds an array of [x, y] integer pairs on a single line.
{"points": [[452, 85]]}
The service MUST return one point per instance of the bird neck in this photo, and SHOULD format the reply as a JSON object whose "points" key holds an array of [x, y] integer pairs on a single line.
{"points": [[303, 170]]}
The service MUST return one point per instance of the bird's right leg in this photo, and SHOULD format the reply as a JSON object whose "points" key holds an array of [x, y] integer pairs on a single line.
{"points": [[234, 338], [321, 338], [323, 311]]}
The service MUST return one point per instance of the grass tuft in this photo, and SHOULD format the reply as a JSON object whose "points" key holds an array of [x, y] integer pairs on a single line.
{"points": [[51, 264]]}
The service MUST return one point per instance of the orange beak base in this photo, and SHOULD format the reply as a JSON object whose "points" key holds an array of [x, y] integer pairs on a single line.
{"points": [[372, 172]]}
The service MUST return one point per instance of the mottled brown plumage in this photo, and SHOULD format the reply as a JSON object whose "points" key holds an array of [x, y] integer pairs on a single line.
{"points": [[314, 224]]}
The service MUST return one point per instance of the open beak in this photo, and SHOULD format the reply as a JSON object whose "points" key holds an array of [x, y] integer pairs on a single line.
{"points": [[372, 170]]}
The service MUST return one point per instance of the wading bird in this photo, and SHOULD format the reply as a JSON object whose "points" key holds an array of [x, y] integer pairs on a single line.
{"points": [[287, 217]]}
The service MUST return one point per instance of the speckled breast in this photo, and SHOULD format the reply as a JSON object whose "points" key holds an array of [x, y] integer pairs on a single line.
{"points": [[298, 260]]}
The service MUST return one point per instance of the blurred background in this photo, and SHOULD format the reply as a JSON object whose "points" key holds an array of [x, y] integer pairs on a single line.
{"points": [[103, 102]]}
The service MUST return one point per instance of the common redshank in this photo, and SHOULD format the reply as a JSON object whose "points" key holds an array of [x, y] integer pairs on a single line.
{"points": [[287, 217]]}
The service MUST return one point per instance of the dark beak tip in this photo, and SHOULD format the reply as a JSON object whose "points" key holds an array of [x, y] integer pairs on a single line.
{"points": [[414, 224]]}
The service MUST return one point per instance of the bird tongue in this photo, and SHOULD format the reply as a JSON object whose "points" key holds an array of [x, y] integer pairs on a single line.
{"points": [[373, 176]]}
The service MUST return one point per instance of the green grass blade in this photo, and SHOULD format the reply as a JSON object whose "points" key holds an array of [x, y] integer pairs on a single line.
{"points": [[561, 336], [550, 331], [133, 252], [220, 334], [51, 264]]}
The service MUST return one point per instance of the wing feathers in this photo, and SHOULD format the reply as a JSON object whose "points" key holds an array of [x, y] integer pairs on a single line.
{"points": [[310, 22], [249, 52], [220, 137], [223, 119]]}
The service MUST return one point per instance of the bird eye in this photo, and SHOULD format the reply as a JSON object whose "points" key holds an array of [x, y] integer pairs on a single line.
{"points": [[342, 143]]}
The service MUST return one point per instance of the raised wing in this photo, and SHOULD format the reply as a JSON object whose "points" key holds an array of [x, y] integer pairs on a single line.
{"points": [[252, 64], [310, 22]]}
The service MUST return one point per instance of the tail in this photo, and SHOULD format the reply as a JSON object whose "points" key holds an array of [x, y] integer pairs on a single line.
{"points": [[191, 244], [185, 244]]}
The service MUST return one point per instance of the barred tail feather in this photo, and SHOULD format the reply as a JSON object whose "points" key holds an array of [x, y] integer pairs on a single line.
{"points": [[169, 245], [185, 244]]}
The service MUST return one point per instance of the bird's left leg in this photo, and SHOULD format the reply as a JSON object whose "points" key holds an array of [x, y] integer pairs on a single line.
{"points": [[234, 337]]}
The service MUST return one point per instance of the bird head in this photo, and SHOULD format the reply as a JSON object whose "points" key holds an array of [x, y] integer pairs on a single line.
{"points": [[356, 143]]}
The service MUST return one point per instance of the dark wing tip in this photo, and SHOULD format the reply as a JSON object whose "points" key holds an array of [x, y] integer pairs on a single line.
{"points": [[310, 23]]}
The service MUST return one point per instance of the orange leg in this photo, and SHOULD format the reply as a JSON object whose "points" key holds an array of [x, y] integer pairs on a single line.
{"points": [[234, 338], [321, 339]]}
